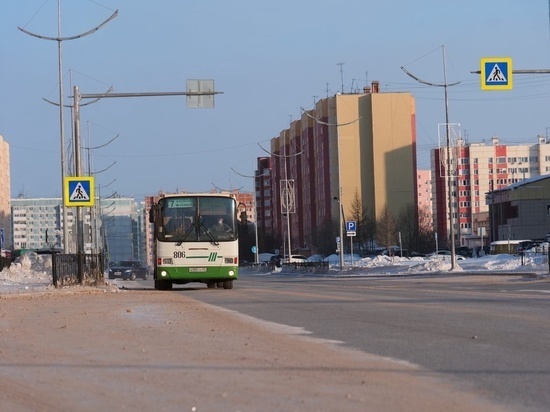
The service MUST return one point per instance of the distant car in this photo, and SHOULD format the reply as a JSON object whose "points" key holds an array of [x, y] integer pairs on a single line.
{"points": [[275, 260], [278, 260], [295, 259], [443, 255], [129, 270]]}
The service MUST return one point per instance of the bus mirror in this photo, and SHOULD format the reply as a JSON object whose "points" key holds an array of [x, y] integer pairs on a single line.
{"points": [[152, 214]]}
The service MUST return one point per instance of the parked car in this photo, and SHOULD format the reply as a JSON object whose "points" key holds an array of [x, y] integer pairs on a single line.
{"points": [[275, 260], [295, 259], [444, 254], [129, 270], [278, 260]]}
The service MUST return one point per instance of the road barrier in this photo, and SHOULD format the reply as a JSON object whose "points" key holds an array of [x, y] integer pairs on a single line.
{"points": [[77, 269]]}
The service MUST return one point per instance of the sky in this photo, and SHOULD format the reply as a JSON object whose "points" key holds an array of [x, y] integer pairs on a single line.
{"points": [[270, 61], [33, 273]]}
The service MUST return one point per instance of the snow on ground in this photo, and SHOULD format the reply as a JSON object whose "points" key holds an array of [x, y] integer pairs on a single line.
{"points": [[385, 265], [33, 272], [29, 272]]}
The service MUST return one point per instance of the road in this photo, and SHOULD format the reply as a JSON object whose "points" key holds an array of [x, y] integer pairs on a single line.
{"points": [[486, 332]]}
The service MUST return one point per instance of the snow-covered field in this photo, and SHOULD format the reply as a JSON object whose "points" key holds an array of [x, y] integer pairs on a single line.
{"points": [[33, 272]]}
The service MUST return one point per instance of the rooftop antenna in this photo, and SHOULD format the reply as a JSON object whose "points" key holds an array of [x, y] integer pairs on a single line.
{"points": [[342, 75]]}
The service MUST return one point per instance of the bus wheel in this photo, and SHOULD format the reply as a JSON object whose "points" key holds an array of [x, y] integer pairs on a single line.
{"points": [[219, 285], [228, 284], [211, 285]]}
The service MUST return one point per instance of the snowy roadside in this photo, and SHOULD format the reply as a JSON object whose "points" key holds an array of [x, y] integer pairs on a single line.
{"points": [[398, 266], [33, 273]]}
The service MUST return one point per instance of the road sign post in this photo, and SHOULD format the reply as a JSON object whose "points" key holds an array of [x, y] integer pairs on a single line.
{"points": [[79, 191]]}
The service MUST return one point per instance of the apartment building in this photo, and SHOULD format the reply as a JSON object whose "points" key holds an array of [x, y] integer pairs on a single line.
{"points": [[350, 146], [424, 202], [5, 195], [38, 223], [481, 168]]}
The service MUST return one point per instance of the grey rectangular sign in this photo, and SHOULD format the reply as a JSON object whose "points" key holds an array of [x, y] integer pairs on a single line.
{"points": [[202, 101]]}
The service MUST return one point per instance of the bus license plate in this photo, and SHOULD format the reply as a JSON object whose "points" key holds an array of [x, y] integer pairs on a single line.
{"points": [[197, 269]]}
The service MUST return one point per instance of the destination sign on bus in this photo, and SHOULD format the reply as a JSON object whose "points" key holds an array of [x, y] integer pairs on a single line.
{"points": [[180, 203]]}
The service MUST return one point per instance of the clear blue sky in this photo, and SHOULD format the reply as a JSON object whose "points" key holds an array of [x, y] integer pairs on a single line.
{"points": [[269, 59]]}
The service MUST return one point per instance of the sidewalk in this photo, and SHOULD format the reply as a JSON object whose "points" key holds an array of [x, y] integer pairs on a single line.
{"points": [[104, 349]]}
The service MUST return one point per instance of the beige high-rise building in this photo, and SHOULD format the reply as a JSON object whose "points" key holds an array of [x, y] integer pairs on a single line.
{"points": [[351, 146], [5, 195]]}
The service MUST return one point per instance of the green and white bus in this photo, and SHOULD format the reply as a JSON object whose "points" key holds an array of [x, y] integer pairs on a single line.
{"points": [[196, 239]]}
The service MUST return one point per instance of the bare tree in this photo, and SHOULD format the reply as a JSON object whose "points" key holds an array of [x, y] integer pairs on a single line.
{"points": [[365, 224], [386, 229], [426, 232], [324, 238], [408, 226], [417, 233]]}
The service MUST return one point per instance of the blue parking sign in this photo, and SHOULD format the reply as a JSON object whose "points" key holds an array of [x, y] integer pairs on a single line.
{"points": [[351, 226]]}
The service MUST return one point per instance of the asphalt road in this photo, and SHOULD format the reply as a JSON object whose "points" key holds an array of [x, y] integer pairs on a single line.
{"points": [[489, 332]]}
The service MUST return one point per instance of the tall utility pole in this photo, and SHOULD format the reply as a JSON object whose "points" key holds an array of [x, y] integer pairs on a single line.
{"points": [[287, 194], [449, 175], [59, 39], [199, 92]]}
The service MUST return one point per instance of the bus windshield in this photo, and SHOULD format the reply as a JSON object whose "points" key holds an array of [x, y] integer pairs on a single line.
{"points": [[192, 219]]}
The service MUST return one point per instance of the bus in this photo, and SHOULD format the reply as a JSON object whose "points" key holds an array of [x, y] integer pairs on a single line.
{"points": [[196, 240], [505, 246]]}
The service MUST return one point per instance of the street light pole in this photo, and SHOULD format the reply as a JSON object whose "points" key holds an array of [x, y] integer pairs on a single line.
{"points": [[59, 40], [287, 198], [256, 254], [449, 173], [339, 169]]}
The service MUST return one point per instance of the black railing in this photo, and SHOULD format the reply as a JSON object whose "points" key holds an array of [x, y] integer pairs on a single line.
{"points": [[538, 257], [77, 269]]}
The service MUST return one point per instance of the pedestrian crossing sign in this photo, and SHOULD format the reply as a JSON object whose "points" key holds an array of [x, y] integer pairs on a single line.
{"points": [[79, 191], [496, 73]]}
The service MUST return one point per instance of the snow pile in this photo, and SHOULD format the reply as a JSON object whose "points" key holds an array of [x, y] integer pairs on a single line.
{"points": [[432, 265], [29, 271]]}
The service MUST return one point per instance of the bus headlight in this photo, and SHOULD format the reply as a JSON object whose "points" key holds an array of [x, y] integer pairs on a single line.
{"points": [[231, 273], [163, 273]]}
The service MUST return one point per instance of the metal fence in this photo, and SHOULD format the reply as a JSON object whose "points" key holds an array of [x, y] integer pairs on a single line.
{"points": [[77, 269], [535, 257]]}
